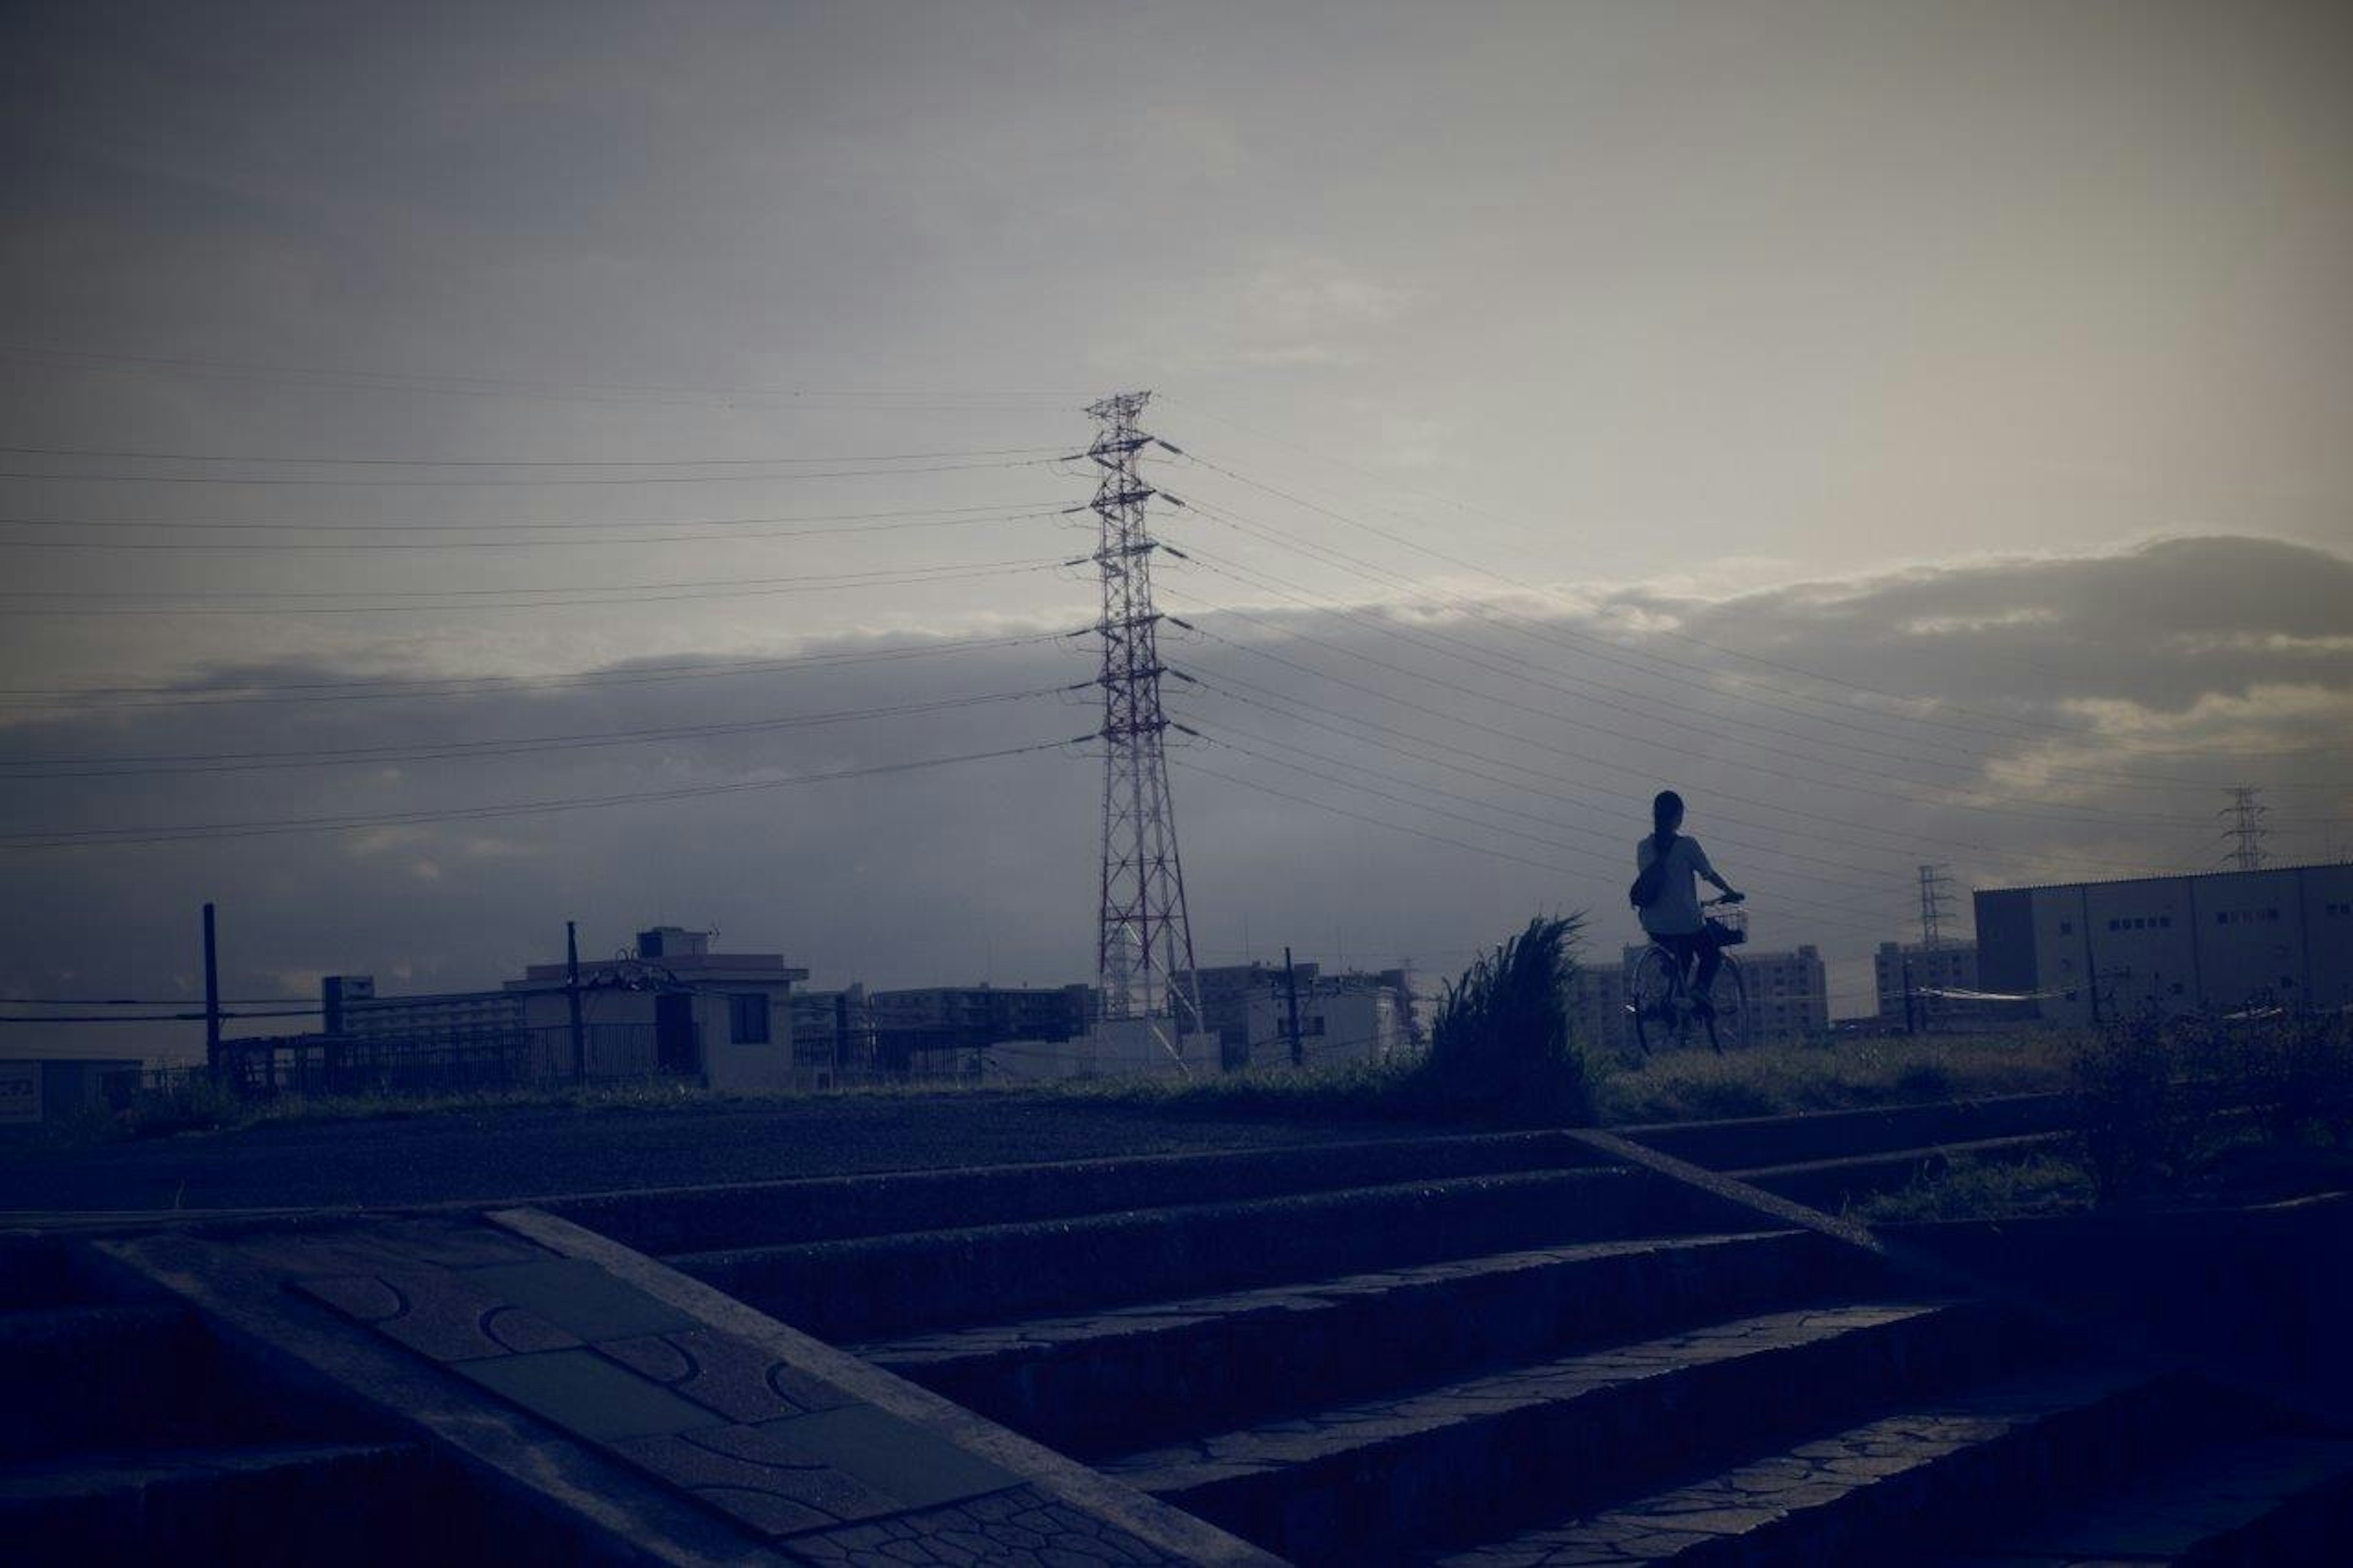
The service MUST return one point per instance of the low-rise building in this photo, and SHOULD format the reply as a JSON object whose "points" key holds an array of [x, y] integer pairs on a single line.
{"points": [[1598, 1017], [1235, 994], [927, 1029], [1339, 1023], [671, 1007]]}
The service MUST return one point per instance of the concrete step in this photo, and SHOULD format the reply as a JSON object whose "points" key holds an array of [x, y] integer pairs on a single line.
{"points": [[1748, 1142], [1832, 1184], [35, 1272], [294, 1504], [710, 1219], [1129, 1377], [1490, 1455], [1896, 1488], [88, 1377], [890, 1286], [2264, 1499]]}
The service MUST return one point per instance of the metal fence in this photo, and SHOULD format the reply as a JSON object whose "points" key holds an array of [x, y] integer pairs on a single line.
{"points": [[456, 1061]]}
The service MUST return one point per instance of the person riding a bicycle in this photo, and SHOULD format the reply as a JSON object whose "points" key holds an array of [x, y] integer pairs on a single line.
{"points": [[1671, 915]]}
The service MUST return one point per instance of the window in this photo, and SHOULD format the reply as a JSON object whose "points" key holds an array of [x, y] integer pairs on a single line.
{"points": [[2066, 928], [2270, 914], [747, 1018], [2114, 925], [2165, 921], [2222, 917]]}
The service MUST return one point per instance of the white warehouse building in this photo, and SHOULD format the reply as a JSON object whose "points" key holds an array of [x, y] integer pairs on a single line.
{"points": [[2277, 937]]}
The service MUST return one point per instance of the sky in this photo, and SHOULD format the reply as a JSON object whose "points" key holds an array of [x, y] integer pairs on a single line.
{"points": [[1914, 431]]}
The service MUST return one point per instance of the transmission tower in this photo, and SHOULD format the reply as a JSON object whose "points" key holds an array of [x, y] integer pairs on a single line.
{"points": [[1935, 887], [2246, 831], [1144, 953]]}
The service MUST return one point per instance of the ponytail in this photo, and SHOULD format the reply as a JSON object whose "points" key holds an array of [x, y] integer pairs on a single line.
{"points": [[1666, 809]]}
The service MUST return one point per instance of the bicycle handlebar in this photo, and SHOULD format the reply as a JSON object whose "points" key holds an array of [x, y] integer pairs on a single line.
{"points": [[1727, 899]]}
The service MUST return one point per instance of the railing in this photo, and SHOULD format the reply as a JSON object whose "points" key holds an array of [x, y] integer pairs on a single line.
{"points": [[455, 1061]]}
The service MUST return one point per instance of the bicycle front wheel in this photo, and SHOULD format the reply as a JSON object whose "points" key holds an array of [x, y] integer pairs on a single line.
{"points": [[1727, 1023]]}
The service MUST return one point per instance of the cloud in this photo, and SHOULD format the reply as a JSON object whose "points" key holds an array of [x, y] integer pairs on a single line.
{"points": [[1285, 310], [2084, 737]]}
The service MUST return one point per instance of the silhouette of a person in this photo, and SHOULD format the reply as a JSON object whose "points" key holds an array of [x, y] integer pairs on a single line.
{"points": [[1673, 918]]}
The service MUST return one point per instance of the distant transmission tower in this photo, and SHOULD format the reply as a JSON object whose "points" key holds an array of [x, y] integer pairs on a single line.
{"points": [[2246, 831], [1935, 886], [1144, 953]]}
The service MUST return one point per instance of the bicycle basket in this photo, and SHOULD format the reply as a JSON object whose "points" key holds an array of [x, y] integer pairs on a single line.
{"points": [[1730, 926]]}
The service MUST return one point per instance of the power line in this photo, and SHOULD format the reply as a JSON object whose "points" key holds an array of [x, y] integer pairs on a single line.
{"points": [[1193, 765], [1586, 645], [1841, 683], [79, 700], [1445, 645], [1614, 804], [315, 482], [139, 1002], [656, 394], [358, 756], [110, 836], [1834, 914], [1808, 783], [617, 595], [989, 517], [523, 462], [1612, 838], [1041, 509], [1845, 825], [159, 1018]]}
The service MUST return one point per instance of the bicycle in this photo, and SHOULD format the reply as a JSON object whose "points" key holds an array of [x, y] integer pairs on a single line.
{"points": [[1660, 997]]}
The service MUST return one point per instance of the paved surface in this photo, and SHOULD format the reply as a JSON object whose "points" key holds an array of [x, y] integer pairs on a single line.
{"points": [[787, 1453], [506, 1156]]}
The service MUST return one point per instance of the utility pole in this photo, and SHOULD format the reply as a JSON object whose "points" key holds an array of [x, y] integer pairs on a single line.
{"points": [[212, 999], [2246, 831], [1935, 885], [1144, 952], [572, 1001], [1290, 984]]}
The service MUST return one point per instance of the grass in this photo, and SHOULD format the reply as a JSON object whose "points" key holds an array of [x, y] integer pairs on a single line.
{"points": [[194, 1106], [1985, 1189], [1690, 1085], [1501, 1051], [1772, 1080]]}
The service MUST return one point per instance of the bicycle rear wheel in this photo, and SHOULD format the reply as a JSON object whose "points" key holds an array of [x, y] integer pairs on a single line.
{"points": [[1727, 1023], [1653, 999]]}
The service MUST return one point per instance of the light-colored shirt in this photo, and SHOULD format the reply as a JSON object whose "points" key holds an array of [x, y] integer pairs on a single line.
{"points": [[1676, 911]]}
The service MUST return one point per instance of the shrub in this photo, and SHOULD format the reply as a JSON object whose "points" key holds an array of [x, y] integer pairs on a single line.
{"points": [[2135, 1123], [2293, 1074], [1500, 1039]]}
